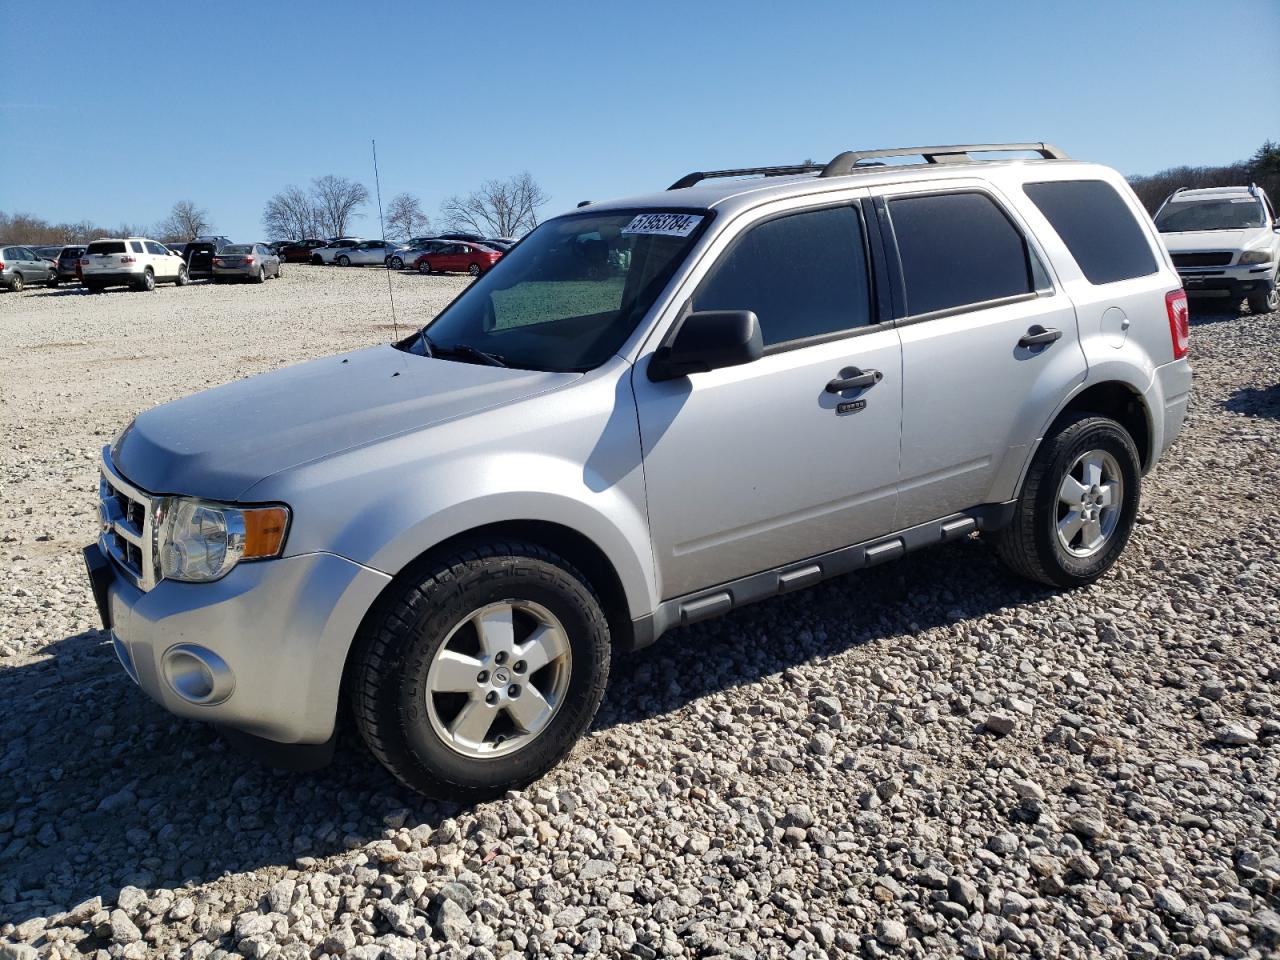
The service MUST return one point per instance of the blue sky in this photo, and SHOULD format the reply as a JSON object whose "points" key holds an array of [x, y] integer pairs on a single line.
{"points": [[125, 108]]}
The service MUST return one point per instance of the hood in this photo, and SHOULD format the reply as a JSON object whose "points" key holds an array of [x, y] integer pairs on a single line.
{"points": [[1197, 240], [218, 443]]}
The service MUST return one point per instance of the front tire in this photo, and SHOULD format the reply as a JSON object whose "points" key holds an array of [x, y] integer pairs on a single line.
{"points": [[182, 278], [1268, 301], [478, 674], [344, 261], [397, 263], [53, 283], [1077, 507]]}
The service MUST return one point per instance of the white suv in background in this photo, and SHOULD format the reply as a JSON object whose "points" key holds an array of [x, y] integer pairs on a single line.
{"points": [[1225, 242], [130, 262]]}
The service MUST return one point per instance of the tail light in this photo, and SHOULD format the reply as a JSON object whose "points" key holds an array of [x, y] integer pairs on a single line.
{"points": [[1, 264], [128, 259], [1175, 302], [248, 259], [217, 260]]}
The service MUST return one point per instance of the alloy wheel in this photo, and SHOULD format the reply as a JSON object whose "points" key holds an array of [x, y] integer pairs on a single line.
{"points": [[498, 679], [1090, 500]]}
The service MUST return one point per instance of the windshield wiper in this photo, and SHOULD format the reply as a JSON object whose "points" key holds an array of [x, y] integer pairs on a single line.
{"points": [[432, 349], [471, 353]]}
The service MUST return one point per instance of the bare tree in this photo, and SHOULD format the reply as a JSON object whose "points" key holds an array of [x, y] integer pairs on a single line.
{"points": [[291, 215], [500, 208], [336, 200], [186, 221], [405, 217]]}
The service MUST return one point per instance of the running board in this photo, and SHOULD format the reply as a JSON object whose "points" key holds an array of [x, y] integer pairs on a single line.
{"points": [[715, 601]]}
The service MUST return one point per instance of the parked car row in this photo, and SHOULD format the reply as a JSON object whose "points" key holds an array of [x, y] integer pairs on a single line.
{"points": [[136, 262], [448, 252]]}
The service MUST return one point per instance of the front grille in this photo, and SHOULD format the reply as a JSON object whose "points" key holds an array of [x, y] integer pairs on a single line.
{"points": [[1211, 259], [126, 515]]}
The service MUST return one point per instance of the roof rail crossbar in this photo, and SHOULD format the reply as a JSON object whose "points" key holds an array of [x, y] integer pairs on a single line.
{"points": [[689, 179], [956, 153]]}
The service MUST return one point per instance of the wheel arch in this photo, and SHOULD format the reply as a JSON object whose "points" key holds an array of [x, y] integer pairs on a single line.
{"points": [[1121, 402], [577, 548]]}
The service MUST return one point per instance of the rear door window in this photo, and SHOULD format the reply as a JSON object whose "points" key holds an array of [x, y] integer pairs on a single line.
{"points": [[958, 250], [1098, 228], [804, 275]]}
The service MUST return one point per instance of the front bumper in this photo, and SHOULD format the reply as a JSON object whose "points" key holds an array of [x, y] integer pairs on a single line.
{"points": [[1235, 282], [280, 628]]}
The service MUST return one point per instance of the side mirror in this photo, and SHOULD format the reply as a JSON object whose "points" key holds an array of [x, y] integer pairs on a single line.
{"points": [[708, 340]]}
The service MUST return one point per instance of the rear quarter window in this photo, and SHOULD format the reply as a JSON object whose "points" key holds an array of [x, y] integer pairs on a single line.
{"points": [[1097, 226]]}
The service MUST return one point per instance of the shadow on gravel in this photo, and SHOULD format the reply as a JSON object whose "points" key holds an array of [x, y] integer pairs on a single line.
{"points": [[1256, 401], [1215, 312], [103, 788]]}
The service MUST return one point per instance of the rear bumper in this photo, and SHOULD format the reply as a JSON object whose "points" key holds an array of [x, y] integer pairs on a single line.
{"points": [[276, 634], [236, 273], [110, 279], [1167, 399]]}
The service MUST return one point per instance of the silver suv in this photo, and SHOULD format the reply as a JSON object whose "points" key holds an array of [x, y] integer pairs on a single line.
{"points": [[650, 412]]}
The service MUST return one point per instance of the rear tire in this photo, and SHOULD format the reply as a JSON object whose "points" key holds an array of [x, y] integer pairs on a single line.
{"points": [[147, 282], [262, 275], [409, 704], [15, 285], [1063, 533]]}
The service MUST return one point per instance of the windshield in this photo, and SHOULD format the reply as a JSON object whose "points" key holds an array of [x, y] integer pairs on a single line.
{"points": [[1192, 215], [238, 248], [569, 295]]}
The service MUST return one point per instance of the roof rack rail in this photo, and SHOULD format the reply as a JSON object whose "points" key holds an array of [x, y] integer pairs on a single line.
{"points": [[956, 153], [689, 179]]}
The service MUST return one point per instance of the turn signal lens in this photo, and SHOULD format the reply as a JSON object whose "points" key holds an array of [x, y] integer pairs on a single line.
{"points": [[264, 530]]}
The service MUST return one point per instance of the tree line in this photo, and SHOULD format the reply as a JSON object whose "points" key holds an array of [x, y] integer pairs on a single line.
{"points": [[328, 207], [1263, 168]]}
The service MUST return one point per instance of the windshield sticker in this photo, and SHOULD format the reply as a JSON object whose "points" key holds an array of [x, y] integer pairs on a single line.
{"points": [[663, 224]]}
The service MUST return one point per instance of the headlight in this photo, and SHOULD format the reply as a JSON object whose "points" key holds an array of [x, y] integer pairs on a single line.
{"points": [[199, 541], [1255, 256]]}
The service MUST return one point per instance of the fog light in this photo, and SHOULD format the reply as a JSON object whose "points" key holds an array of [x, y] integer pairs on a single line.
{"points": [[198, 675]]}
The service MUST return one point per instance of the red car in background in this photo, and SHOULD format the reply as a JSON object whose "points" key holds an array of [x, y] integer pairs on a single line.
{"points": [[458, 257]]}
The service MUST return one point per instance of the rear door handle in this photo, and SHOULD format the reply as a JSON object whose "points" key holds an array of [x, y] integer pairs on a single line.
{"points": [[857, 380], [1038, 336]]}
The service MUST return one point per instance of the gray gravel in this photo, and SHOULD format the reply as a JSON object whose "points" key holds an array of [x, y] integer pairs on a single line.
{"points": [[929, 759]]}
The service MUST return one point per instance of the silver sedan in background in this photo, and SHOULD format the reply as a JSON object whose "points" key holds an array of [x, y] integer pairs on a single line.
{"points": [[245, 261], [368, 253]]}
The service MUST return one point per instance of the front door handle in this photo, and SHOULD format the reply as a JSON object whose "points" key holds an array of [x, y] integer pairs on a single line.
{"points": [[1038, 336], [857, 380]]}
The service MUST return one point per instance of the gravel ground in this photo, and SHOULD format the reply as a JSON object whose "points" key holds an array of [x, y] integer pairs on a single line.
{"points": [[929, 759]]}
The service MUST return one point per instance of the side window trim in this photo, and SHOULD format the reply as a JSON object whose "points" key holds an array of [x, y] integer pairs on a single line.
{"points": [[893, 259], [870, 249]]}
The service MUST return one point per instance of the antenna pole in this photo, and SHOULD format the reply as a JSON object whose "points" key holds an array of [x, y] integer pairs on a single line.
{"points": [[377, 186]]}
